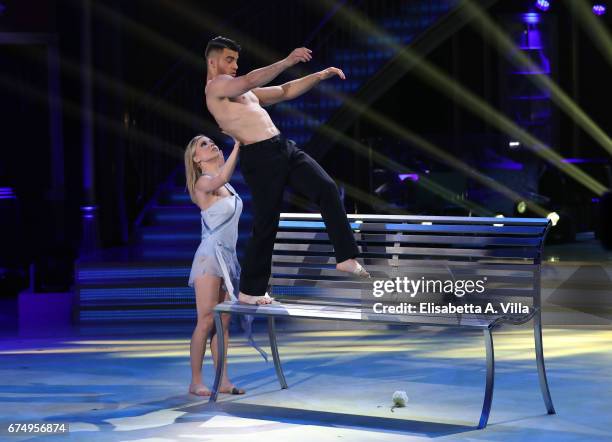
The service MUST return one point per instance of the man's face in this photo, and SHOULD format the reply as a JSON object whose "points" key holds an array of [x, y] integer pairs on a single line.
{"points": [[227, 62]]}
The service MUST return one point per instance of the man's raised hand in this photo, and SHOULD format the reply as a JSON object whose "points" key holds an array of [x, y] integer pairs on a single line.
{"points": [[330, 72], [299, 55]]}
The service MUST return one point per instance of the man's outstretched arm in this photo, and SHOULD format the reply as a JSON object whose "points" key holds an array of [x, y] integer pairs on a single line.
{"points": [[228, 86], [292, 89]]}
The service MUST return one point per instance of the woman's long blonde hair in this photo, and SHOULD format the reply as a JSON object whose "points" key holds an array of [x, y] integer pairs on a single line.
{"points": [[192, 173]]}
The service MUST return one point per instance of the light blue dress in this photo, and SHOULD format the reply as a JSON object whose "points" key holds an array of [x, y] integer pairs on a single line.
{"points": [[216, 254]]}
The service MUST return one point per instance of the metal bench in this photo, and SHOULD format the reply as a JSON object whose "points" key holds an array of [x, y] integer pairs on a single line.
{"points": [[504, 252]]}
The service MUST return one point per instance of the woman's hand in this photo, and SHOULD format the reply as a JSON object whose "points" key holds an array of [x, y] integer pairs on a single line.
{"points": [[236, 142]]}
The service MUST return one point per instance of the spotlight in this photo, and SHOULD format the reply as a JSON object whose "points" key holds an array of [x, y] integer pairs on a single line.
{"points": [[531, 18], [599, 9], [514, 144], [553, 217], [410, 176], [542, 5], [521, 207]]}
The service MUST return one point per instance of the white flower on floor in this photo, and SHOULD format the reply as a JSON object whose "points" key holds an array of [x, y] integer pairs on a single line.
{"points": [[400, 398]]}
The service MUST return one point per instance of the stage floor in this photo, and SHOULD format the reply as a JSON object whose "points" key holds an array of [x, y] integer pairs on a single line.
{"points": [[129, 384]]}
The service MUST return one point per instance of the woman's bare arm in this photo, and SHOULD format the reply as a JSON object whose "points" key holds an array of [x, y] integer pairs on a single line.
{"points": [[210, 184]]}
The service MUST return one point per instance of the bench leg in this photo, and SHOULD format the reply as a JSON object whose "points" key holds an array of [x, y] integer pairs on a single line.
{"points": [[486, 405], [221, 357], [277, 363], [537, 331]]}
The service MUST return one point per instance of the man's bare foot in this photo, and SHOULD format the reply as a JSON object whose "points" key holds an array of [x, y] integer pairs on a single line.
{"points": [[199, 390], [229, 388], [255, 300], [353, 267]]}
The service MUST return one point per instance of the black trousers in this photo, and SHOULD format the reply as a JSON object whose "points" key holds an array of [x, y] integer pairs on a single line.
{"points": [[268, 167]]}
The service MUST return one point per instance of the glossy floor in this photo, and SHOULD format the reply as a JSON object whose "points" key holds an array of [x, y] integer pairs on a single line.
{"points": [[129, 384]]}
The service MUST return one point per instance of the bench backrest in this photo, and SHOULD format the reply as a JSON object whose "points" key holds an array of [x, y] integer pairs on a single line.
{"points": [[503, 252]]}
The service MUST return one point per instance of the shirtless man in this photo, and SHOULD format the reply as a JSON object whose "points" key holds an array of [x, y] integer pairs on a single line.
{"points": [[269, 161]]}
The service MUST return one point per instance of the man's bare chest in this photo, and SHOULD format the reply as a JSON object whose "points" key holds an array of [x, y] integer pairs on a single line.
{"points": [[248, 98]]}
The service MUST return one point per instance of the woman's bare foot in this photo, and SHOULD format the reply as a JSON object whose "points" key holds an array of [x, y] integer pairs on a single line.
{"points": [[199, 390], [353, 267], [255, 300]]}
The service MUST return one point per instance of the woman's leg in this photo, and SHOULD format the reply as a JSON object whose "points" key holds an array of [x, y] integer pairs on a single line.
{"points": [[226, 385], [206, 290]]}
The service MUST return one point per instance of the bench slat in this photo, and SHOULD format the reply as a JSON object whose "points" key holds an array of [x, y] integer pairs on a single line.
{"points": [[422, 218], [406, 263], [357, 287], [415, 251], [434, 228], [362, 238], [389, 273]]}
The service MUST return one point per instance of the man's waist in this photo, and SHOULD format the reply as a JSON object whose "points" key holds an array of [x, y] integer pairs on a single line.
{"points": [[275, 139]]}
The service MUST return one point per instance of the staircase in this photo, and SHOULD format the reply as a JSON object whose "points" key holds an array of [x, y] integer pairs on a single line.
{"points": [[360, 56]]}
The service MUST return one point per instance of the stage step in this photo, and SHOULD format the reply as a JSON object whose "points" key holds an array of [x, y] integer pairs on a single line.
{"points": [[189, 234], [128, 284]]}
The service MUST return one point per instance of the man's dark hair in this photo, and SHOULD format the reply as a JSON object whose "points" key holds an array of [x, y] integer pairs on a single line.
{"points": [[220, 43]]}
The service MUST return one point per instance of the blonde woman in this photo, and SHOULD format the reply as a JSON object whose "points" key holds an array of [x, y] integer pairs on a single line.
{"points": [[215, 271]]}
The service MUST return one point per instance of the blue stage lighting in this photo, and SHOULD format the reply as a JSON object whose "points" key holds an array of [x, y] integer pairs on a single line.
{"points": [[531, 18], [542, 5], [599, 9], [7, 193]]}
